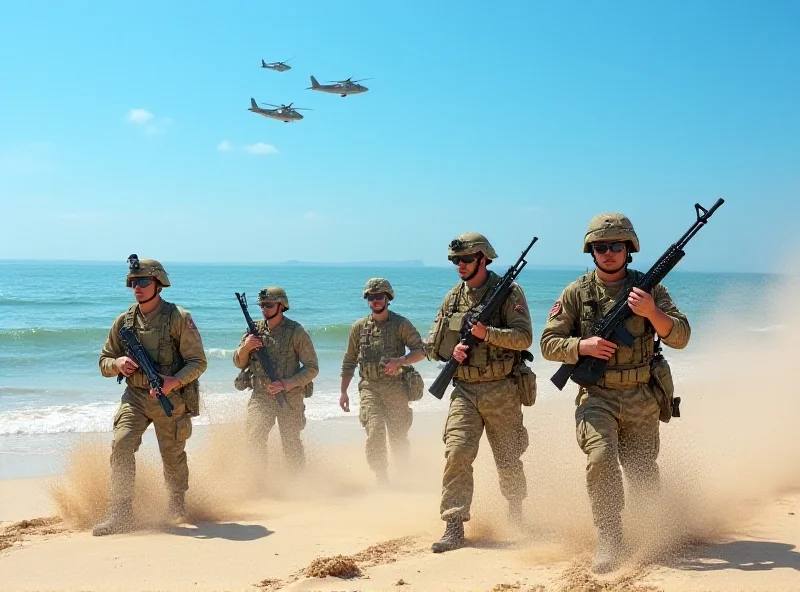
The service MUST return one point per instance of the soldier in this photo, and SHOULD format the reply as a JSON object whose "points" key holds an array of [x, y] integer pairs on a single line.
{"points": [[618, 419], [378, 345], [293, 356], [485, 393], [170, 337]]}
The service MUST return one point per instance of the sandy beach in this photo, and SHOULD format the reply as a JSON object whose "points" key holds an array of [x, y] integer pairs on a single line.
{"points": [[733, 530]]}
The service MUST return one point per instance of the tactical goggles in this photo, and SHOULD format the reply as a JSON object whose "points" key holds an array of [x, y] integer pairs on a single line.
{"points": [[602, 248], [456, 259], [268, 305], [373, 297], [142, 282]]}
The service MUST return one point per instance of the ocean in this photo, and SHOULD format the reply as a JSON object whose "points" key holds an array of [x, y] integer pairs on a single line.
{"points": [[55, 317]]}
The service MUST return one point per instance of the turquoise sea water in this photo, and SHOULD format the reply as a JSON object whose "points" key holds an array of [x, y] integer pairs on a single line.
{"points": [[55, 316]]}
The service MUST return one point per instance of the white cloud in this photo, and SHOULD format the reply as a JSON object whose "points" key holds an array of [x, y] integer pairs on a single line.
{"points": [[260, 148], [224, 146], [148, 121], [139, 116]]}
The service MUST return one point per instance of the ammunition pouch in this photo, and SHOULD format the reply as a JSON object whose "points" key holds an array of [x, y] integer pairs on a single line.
{"points": [[191, 397], [244, 380], [413, 383], [448, 335], [664, 388], [625, 377], [370, 371], [526, 383]]}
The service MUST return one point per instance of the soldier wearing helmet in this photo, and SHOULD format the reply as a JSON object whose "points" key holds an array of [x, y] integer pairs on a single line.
{"points": [[617, 420], [377, 347], [485, 390], [291, 351], [171, 339]]}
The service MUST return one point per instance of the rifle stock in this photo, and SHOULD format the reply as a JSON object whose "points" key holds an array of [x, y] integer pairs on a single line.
{"points": [[588, 371], [482, 313], [261, 353]]}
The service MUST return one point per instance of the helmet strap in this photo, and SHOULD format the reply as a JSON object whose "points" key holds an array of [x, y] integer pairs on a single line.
{"points": [[477, 267], [156, 293], [628, 259], [278, 310]]}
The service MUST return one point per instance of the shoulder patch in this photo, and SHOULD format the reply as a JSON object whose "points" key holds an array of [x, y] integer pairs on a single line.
{"points": [[520, 308], [190, 322], [555, 311]]}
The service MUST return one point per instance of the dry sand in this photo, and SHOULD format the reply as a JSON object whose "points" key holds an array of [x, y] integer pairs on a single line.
{"points": [[729, 518]]}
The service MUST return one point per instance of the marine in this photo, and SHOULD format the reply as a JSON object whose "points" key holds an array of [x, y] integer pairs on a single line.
{"points": [[487, 391], [169, 335], [294, 358], [617, 420], [387, 381]]}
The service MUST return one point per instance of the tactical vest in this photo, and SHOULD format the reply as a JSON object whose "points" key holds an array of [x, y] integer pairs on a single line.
{"points": [[157, 342], [486, 362], [284, 359], [629, 366], [376, 343]]}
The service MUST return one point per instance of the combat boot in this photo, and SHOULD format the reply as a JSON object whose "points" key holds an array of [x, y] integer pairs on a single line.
{"points": [[176, 512], [120, 519], [453, 537], [608, 551]]}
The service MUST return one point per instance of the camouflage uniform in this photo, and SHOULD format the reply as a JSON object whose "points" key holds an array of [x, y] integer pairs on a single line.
{"points": [[173, 342], [485, 393], [293, 356], [383, 399], [617, 420]]}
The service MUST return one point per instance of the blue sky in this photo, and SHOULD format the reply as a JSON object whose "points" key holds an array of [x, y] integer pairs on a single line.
{"points": [[523, 119]]}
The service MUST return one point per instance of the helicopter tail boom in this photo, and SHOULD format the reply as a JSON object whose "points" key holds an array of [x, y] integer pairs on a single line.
{"points": [[314, 83], [253, 103]]}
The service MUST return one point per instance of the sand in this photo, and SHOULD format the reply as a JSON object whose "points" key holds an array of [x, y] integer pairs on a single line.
{"points": [[728, 518]]}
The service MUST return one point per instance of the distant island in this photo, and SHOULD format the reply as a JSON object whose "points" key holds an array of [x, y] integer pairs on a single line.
{"points": [[409, 263]]}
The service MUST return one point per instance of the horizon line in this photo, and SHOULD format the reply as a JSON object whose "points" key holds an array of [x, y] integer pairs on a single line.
{"points": [[417, 263]]}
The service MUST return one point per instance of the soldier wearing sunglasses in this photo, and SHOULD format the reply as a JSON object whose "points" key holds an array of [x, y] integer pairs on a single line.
{"points": [[377, 346], [617, 420], [485, 393], [294, 358], [171, 339]]}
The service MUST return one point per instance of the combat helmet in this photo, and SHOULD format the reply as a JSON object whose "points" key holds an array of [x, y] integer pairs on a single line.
{"points": [[146, 268], [379, 286], [610, 227], [470, 243], [273, 294]]}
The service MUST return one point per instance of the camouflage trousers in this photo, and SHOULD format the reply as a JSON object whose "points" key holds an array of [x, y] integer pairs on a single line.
{"points": [[262, 412], [617, 427], [496, 406], [136, 411], [383, 408]]}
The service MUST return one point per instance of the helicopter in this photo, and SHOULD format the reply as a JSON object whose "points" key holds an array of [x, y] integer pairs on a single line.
{"points": [[277, 66], [340, 87], [284, 113]]}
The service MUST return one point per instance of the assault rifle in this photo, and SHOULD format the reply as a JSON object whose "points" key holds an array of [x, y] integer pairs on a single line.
{"points": [[490, 302], [263, 357], [135, 350], [589, 370]]}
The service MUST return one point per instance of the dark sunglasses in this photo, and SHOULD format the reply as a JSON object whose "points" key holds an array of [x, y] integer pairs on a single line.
{"points": [[602, 248], [456, 259], [268, 305], [143, 282], [373, 297]]}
